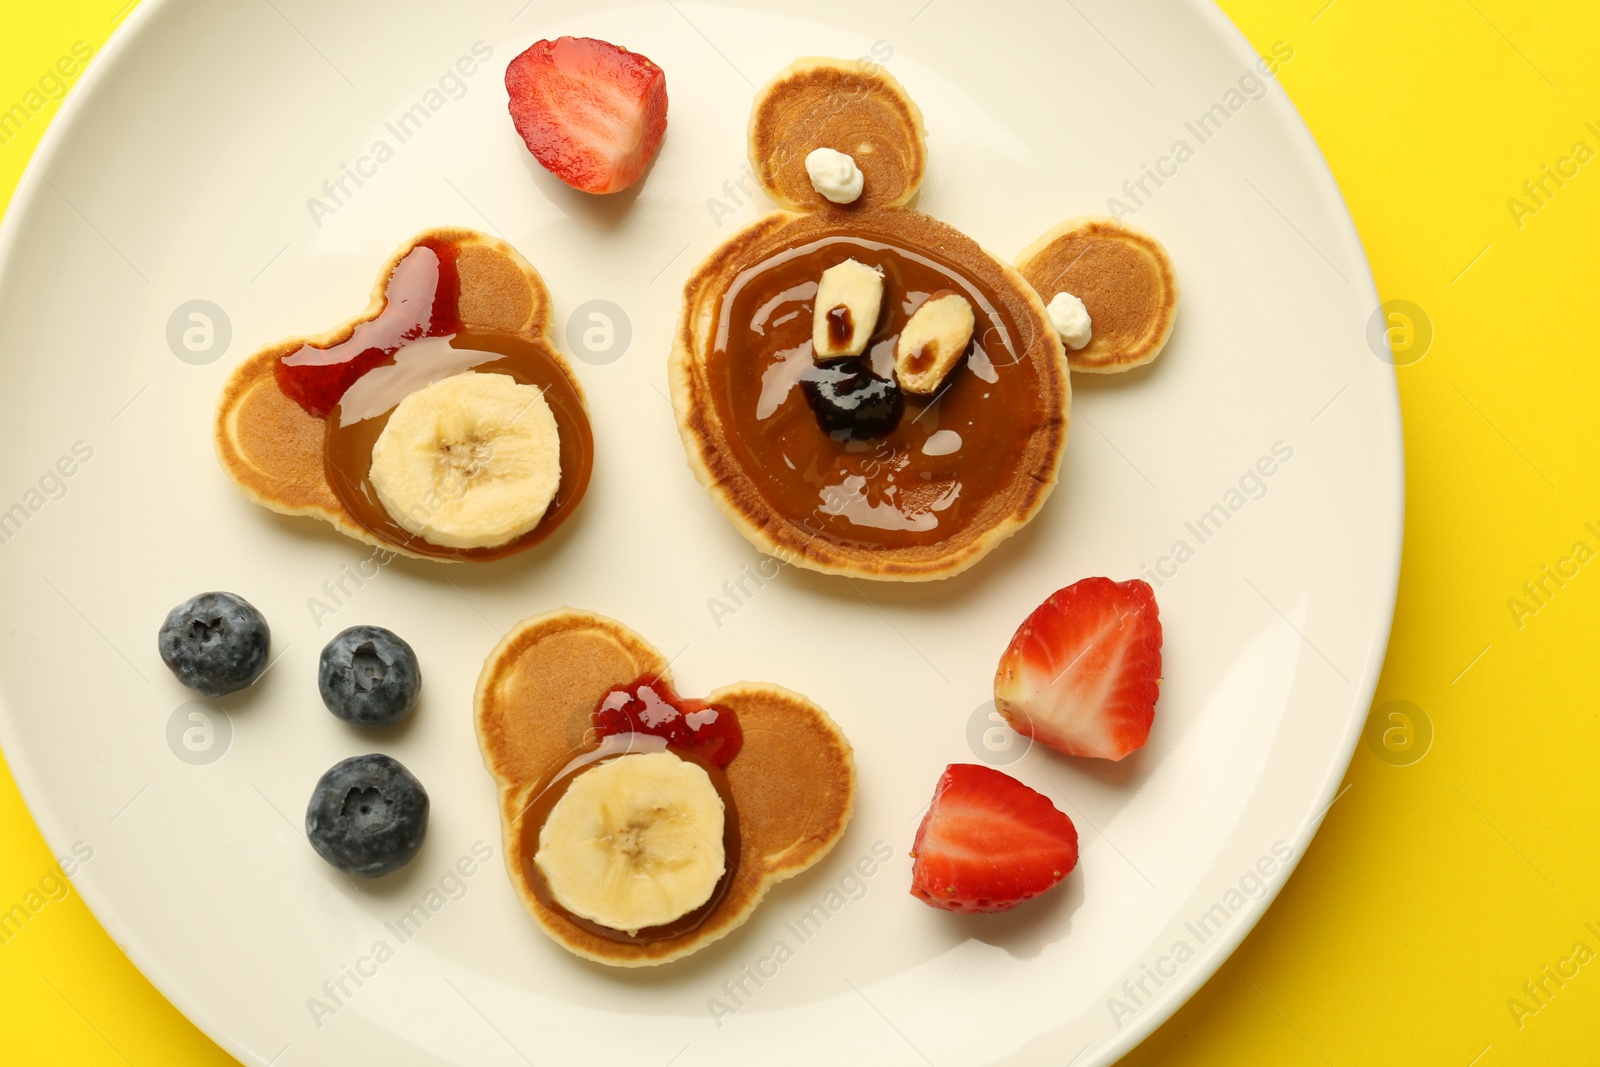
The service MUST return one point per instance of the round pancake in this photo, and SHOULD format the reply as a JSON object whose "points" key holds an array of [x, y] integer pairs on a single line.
{"points": [[733, 488], [1125, 280], [851, 106], [793, 782], [272, 448]]}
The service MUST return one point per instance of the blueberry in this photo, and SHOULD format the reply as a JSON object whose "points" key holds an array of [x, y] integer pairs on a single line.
{"points": [[369, 677], [368, 815], [851, 402], [215, 643]]}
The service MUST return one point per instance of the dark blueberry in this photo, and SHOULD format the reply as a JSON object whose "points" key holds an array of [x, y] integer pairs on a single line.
{"points": [[368, 815], [369, 677], [215, 643], [851, 402]]}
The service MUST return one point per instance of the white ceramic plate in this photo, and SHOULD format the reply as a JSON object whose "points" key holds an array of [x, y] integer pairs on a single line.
{"points": [[183, 169]]}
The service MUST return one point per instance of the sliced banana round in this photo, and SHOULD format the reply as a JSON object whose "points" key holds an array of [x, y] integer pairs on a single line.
{"points": [[634, 842], [470, 461]]}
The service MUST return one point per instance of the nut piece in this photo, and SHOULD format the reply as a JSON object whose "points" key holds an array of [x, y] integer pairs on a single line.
{"points": [[932, 342], [848, 299]]}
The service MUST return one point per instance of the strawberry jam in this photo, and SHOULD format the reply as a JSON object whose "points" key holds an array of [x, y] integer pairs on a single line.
{"points": [[419, 337], [420, 300], [649, 706]]}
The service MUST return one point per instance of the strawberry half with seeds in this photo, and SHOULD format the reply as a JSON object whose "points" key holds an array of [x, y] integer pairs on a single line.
{"points": [[592, 114], [989, 842], [1083, 671]]}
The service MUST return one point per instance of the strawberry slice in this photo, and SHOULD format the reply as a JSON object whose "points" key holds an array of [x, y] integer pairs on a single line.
{"points": [[989, 842], [592, 113], [1082, 672]]}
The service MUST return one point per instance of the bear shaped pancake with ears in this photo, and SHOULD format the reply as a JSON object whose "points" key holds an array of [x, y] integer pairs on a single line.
{"points": [[789, 788], [449, 300], [860, 387]]}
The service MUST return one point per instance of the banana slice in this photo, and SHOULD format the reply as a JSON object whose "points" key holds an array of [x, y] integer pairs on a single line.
{"points": [[849, 297], [471, 461], [933, 340], [634, 842]]}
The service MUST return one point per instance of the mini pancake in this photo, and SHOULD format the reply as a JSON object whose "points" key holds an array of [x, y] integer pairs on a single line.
{"points": [[1126, 283], [793, 783], [857, 108], [273, 449]]}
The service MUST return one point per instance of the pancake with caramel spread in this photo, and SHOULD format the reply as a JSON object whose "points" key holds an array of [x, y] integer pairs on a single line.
{"points": [[287, 428], [788, 790], [960, 468]]}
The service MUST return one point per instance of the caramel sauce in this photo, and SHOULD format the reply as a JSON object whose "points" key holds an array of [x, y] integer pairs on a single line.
{"points": [[348, 449], [841, 325], [549, 791], [886, 493], [418, 338]]}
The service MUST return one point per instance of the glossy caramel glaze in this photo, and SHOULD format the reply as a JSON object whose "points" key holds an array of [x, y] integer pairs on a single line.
{"points": [[888, 492]]}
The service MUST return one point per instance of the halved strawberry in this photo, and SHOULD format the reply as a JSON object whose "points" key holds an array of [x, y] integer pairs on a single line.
{"points": [[989, 842], [592, 113], [1082, 672]]}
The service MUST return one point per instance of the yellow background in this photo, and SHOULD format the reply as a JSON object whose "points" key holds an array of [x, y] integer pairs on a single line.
{"points": [[1438, 887]]}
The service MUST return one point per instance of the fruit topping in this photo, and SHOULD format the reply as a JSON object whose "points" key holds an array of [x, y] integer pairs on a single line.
{"points": [[851, 402], [988, 843], [215, 643], [367, 816], [934, 339], [369, 677], [649, 706], [592, 114], [471, 461], [845, 311], [420, 300], [1083, 671], [634, 842]]}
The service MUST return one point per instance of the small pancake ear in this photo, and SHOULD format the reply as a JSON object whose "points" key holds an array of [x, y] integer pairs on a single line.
{"points": [[1126, 283], [541, 683], [851, 106], [500, 291]]}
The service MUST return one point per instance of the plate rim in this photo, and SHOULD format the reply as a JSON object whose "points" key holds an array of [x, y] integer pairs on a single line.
{"points": [[148, 959]]}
